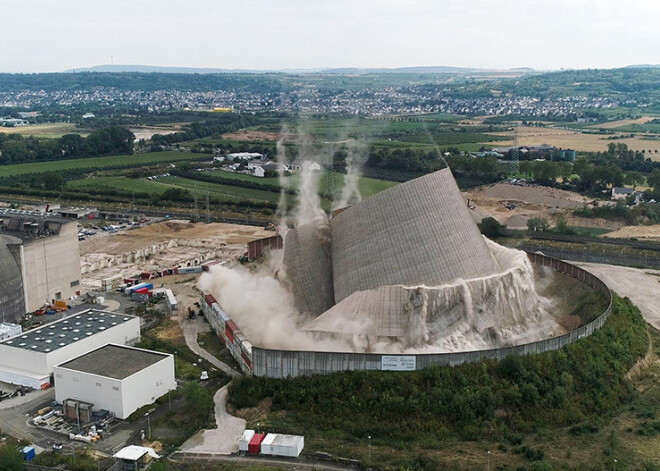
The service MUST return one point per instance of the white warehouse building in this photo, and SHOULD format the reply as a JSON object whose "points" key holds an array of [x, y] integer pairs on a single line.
{"points": [[28, 359], [117, 378]]}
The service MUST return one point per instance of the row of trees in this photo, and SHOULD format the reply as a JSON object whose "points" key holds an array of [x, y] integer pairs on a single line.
{"points": [[107, 141]]}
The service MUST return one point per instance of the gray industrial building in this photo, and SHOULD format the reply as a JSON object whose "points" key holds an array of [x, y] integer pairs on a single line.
{"points": [[45, 250]]}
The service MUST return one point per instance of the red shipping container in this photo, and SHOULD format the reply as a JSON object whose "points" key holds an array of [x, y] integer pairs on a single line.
{"points": [[209, 299], [254, 447]]}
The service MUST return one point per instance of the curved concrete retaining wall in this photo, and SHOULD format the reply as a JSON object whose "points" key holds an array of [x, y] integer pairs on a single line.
{"points": [[283, 363]]}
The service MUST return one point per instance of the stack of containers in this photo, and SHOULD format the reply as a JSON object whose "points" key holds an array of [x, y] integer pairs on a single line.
{"points": [[244, 441], [254, 447]]}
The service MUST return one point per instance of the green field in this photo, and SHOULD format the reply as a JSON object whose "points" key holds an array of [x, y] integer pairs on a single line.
{"points": [[100, 162], [118, 182], [653, 128], [223, 192], [367, 186]]}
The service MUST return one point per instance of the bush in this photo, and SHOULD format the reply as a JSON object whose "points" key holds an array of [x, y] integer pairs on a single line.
{"points": [[491, 228]]}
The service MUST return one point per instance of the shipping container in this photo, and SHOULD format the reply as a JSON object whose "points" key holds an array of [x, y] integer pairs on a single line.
{"points": [[254, 447], [185, 270], [209, 299], [276, 444], [171, 301], [230, 329], [139, 286], [244, 441]]}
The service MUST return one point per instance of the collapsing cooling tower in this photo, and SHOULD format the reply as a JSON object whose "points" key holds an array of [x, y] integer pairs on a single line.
{"points": [[410, 265]]}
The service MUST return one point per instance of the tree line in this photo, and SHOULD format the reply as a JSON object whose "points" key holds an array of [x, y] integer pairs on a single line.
{"points": [[17, 149]]}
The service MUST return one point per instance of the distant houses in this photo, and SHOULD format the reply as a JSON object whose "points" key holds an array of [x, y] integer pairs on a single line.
{"points": [[257, 165], [542, 152]]}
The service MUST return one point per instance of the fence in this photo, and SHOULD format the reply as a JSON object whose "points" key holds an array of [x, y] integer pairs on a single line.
{"points": [[611, 257], [282, 363]]}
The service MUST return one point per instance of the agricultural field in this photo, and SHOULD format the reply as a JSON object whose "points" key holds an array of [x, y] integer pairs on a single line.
{"points": [[622, 123], [569, 139], [111, 161], [367, 186], [46, 130], [226, 193]]}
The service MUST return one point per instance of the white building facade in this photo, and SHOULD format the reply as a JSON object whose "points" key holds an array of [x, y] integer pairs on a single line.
{"points": [[117, 378], [28, 359]]}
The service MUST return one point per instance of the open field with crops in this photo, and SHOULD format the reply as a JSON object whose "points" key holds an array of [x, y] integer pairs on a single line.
{"points": [[568, 139], [50, 130], [111, 161]]}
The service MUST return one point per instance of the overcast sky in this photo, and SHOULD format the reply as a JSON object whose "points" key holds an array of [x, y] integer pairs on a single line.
{"points": [[55, 35]]}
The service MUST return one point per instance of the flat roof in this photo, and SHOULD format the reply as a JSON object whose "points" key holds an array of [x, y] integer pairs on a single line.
{"points": [[114, 361], [66, 331]]}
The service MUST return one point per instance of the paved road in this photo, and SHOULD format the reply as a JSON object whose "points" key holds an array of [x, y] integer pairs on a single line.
{"points": [[642, 286], [195, 326], [13, 418], [222, 440], [288, 463]]}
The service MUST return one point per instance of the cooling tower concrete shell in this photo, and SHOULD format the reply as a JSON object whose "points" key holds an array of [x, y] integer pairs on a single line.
{"points": [[309, 266], [12, 303], [416, 233]]}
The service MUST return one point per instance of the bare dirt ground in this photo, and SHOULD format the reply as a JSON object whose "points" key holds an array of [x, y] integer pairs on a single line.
{"points": [[162, 245], [148, 132], [642, 286], [644, 233], [529, 201]]}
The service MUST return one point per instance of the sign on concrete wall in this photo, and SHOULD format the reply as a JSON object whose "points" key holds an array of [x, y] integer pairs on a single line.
{"points": [[398, 363]]}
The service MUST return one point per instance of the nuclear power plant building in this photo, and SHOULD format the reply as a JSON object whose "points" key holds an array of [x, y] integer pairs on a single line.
{"points": [[44, 249]]}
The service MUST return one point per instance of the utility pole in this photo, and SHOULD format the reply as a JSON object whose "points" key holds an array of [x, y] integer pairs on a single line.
{"points": [[369, 451]]}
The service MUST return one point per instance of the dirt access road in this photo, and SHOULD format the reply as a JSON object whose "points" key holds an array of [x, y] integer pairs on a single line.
{"points": [[222, 440]]}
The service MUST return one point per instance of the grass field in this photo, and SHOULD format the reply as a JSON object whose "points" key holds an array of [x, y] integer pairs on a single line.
{"points": [[118, 183], [99, 162], [223, 192], [367, 186], [44, 130]]}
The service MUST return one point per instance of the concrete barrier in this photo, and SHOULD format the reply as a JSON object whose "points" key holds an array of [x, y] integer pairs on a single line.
{"points": [[285, 363]]}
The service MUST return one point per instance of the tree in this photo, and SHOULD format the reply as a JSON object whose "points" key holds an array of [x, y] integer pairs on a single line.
{"points": [[539, 224], [11, 459], [491, 228], [198, 400], [561, 225]]}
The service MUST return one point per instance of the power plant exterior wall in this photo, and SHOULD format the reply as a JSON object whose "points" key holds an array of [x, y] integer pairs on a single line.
{"points": [[428, 218], [309, 267], [283, 364], [51, 267], [12, 303]]}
